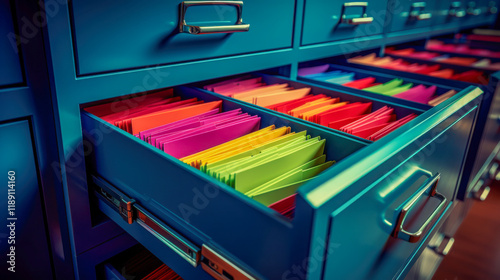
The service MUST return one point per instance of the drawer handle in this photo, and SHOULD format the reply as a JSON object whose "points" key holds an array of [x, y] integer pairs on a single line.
{"points": [[472, 10], [481, 191], [413, 237], [364, 19], [444, 246], [492, 7], [456, 11], [198, 30], [416, 11]]}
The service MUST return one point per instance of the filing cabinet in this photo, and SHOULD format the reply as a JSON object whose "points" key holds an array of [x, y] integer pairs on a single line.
{"points": [[111, 37], [327, 21], [352, 221]]}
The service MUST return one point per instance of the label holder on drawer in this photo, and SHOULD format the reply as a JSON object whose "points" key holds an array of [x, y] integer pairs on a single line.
{"points": [[212, 262]]}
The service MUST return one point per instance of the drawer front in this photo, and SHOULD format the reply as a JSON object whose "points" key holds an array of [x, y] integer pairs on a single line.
{"points": [[489, 145], [360, 207], [326, 21], [25, 220], [132, 34], [10, 66], [405, 15], [373, 216]]}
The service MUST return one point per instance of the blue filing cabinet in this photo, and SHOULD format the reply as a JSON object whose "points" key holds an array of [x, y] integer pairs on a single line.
{"points": [[94, 52]]}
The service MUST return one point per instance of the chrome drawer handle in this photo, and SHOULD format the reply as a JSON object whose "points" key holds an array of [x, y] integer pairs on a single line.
{"points": [[416, 11], [198, 30], [492, 7], [481, 191], [472, 10], [364, 19], [444, 246], [456, 11], [413, 237]]}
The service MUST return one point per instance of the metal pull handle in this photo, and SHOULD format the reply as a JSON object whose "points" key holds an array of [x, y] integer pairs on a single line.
{"points": [[472, 10], [239, 26], [445, 243], [481, 191], [456, 11], [416, 11], [413, 237], [492, 7], [364, 19]]}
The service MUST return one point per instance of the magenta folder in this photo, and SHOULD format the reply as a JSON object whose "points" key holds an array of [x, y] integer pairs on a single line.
{"points": [[195, 143]]}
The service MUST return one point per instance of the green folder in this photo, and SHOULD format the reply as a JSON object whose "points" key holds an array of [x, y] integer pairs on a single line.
{"points": [[385, 87], [257, 174]]}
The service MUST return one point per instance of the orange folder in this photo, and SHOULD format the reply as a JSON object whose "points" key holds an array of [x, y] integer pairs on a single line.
{"points": [[153, 120]]}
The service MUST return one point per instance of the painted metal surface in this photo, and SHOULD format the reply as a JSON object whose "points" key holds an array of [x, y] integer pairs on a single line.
{"points": [[10, 66], [323, 20], [24, 248], [113, 36]]}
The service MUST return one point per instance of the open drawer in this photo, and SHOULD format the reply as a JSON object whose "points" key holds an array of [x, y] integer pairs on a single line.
{"points": [[202, 228], [378, 78], [485, 130]]}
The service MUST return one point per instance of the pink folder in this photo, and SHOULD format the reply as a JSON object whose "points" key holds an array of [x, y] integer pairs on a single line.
{"points": [[419, 94], [199, 142]]}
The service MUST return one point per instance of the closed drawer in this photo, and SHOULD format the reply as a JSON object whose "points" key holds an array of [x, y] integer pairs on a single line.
{"points": [[405, 15], [10, 66], [326, 21], [130, 34], [247, 235]]}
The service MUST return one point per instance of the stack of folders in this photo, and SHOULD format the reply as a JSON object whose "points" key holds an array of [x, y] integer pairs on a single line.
{"points": [[484, 63], [267, 164], [141, 264], [436, 45], [471, 76], [356, 118], [396, 87]]}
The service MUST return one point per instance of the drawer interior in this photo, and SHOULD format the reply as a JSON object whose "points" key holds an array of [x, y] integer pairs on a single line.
{"points": [[400, 110], [198, 210], [378, 78]]}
